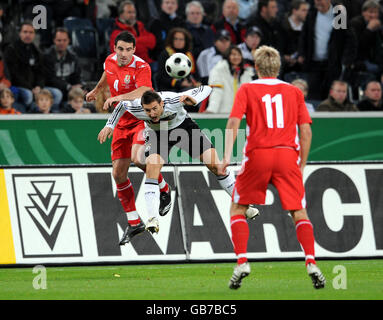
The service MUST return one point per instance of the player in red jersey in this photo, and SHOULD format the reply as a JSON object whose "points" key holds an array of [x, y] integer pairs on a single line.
{"points": [[128, 77], [275, 152]]}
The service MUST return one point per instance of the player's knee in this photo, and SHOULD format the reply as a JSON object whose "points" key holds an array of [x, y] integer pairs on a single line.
{"points": [[119, 175], [213, 168]]}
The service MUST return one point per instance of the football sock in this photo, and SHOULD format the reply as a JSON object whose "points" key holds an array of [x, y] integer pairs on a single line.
{"points": [[239, 236], [305, 236], [125, 194], [133, 218], [162, 184], [152, 197], [227, 182]]}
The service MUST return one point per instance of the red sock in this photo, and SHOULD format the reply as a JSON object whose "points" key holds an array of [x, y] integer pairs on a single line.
{"points": [[164, 187], [305, 236], [125, 194], [239, 236]]}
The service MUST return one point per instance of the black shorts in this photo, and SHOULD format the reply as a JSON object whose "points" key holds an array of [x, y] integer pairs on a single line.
{"points": [[187, 136]]}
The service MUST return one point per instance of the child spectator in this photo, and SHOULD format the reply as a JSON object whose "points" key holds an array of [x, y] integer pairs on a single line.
{"points": [[44, 102], [6, 102], [76, 104]]}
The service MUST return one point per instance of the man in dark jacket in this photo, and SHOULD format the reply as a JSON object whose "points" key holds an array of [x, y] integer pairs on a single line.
{"points": [[25, 64], [367, 28], [62, 67], [202, 34], [372, 98], [266, 20], [160, 27], [324, 49], [337, 100]]}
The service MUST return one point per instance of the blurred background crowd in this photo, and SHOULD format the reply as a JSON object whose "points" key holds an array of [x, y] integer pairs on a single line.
{"points": [[333, 53]]}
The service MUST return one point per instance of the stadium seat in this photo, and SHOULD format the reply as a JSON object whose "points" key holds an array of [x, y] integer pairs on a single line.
{"points": [[104, 28], [72, 23]]}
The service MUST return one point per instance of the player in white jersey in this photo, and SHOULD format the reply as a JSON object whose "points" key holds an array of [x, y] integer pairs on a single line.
{"points": [[168, 125]]}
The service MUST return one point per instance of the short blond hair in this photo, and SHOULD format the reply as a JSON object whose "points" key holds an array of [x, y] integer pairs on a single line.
{"points": [[44, 93], [267, 61]]}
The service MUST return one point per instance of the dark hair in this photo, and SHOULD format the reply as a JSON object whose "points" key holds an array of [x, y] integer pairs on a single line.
{"points": [[296, 4], [125, 36], [263, 3], [226, 56], [188, 39], [26, 23], [61, 29], [150, 96]]}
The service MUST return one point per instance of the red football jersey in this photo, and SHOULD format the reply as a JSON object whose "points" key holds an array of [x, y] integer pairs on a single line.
{"points": [[126, 79], [273, 110]]}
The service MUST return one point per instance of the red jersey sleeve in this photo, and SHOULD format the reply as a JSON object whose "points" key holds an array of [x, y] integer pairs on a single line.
{"points": [[240, 103], [144, 76], [303, 114]]}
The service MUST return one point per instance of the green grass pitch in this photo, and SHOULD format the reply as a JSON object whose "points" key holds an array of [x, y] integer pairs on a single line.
{"points": [[200, 281]]}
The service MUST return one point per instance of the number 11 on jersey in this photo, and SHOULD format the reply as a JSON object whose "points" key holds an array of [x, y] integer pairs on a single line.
{"points": [[268, 100]]}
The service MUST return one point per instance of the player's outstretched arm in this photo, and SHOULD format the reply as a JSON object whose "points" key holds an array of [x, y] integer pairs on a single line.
{"points": [[105, 133], [91, 95], [135, 94], [198, 94]]}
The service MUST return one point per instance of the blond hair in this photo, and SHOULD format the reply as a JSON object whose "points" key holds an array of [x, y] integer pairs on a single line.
{"points": [[267, 61], [75, 93], [44, 93]]}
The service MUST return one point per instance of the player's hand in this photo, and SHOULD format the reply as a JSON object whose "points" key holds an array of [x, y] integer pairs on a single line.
{"points": [[221, 168], [105, 133], [91, 95], [109, 103], [187, 100]]}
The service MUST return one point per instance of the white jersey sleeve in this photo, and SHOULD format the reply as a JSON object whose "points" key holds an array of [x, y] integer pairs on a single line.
{"points": [[134, 107]]}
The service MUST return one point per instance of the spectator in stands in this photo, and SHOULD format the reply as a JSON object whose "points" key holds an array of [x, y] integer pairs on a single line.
{"points": [[202, 34], [252, 41], [337, 100], [25, 64], [225, 78], [76, 103], [266, 20], [178, 40], [246, 8], [209, 57], [230, 22], [44, 102], [372, 97], [127, 21], [292, 25], [304, 87], [324, 49], [6, 102], [367, 28], [62, 67], [167, 20]]}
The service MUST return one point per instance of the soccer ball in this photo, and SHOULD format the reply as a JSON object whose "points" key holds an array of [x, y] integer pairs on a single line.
{"points": [[178, 65]]}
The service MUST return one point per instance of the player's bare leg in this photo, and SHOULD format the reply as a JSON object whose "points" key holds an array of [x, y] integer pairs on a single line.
{"points": [[138, 157], [305, 236], [240, 237], [211, 160], [154, 163], [126, 195]]}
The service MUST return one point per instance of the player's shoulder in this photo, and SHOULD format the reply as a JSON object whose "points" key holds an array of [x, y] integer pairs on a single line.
{"points": [[139, 63], [112, 58]]}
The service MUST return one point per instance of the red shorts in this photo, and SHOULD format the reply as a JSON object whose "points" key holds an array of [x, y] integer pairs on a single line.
{"points": [[124, 139], [278, 166]]}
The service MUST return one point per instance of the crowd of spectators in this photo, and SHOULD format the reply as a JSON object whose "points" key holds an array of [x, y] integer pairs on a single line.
{"points": [[334, 56]]}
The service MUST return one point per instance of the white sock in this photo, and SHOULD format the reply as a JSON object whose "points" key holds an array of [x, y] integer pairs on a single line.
{"points": [[152, 197], [227, 182]]}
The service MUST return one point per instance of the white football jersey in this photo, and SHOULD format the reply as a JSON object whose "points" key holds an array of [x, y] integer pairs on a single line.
{"points": [[173, 115]]}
